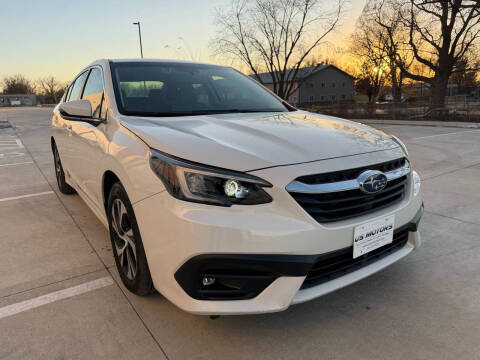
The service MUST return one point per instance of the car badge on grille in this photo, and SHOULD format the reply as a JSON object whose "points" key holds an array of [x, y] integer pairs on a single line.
{"points": [[372, 181]]}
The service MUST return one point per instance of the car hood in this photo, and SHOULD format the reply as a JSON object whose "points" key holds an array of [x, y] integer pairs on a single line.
{"points": [[252, 141]]}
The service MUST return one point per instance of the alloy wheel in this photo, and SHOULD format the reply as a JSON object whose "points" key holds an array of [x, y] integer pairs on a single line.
{"points": [[124, 239], [58, 165]]}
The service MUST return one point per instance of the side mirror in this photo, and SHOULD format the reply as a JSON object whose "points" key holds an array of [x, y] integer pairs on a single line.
{"points": [[81, 109]]}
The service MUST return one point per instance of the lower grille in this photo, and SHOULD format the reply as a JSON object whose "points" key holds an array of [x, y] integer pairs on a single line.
{"points": [[340, 262]]}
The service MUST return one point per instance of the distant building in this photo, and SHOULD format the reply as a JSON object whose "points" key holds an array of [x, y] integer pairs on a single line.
{"points": [[18, 100], [324, 84]]}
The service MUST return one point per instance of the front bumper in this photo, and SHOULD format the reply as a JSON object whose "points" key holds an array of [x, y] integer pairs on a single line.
{"points": [[245, 276], [176, 232]]}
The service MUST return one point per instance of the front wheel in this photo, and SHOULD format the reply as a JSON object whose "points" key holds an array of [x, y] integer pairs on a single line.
{"points": [[126, 243]]}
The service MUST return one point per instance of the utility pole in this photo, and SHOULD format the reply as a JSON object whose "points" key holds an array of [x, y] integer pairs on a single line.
{"points": [[139, 37]]}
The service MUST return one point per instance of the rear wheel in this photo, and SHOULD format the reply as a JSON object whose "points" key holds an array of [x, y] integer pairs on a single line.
{"points": [[126, 243], [60, 174]]}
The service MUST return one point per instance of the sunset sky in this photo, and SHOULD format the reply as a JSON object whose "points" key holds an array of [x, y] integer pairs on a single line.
{"points": [[41, 38]]}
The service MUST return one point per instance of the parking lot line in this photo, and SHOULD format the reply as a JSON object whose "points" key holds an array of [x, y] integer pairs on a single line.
{"points": [[19, 163], [26, 196], [22, 306], [13, 143], [452, 133]]}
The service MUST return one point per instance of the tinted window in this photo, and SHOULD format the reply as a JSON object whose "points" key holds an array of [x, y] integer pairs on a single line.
{"points": [[172, 89], [77, 87], [69, 90], [67, 93], [94, 91]]}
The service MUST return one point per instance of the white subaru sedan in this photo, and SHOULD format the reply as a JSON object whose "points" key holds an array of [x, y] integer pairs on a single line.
{"points": [[222, 196]]}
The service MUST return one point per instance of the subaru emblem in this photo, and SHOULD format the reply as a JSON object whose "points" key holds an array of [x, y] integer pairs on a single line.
{"points": [[372, 181]]}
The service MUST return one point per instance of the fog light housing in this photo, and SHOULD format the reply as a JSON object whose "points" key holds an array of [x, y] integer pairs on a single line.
{"points": [[416, 183]]}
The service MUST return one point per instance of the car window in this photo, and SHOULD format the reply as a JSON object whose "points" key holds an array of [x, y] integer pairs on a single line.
{"points": [[173, 89], [67, 92], [77, 87], [93, 91]]}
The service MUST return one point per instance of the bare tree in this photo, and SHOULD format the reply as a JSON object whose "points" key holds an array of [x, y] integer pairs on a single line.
{"points": [[275, 36], [370, 45], [440, 33], [51, 88], [384, 19], [370, 80], [17, 84]]}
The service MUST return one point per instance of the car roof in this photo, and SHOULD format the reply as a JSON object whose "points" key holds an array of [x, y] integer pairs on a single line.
{"points": [[137, 60]]}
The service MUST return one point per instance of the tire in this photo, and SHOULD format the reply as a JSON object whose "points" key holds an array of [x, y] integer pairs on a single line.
{"points": [[60, 174], [127, 246]]}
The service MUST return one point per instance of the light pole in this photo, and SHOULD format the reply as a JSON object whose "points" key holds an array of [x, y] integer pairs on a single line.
{"points": [[139, 37]]}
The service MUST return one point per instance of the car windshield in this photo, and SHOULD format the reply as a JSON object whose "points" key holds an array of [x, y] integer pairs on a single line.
{"points": [[178, 89]]}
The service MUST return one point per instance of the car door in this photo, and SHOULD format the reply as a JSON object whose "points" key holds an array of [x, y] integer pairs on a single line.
{"points": [[88, 140], [66, 144]]}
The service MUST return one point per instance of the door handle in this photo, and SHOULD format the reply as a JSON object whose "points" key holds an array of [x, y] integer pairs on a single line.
{"points": [[69, 130]]}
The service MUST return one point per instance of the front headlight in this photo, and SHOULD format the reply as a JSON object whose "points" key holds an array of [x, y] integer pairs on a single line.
{"points": [[416, 183], [401, 144], [198, 183]]}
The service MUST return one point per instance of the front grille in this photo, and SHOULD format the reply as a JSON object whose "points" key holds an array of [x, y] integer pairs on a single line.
{"points": [[344, 204], [340, 262]]}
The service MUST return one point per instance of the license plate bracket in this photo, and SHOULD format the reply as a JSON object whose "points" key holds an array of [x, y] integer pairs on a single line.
{"points": [[372, 235]]}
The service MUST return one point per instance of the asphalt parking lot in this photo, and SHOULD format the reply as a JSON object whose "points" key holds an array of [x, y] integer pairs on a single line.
{"points": [[61, 298]]}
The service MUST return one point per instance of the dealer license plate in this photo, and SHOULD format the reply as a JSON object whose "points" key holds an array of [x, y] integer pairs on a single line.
{"points": [[372, 235]]}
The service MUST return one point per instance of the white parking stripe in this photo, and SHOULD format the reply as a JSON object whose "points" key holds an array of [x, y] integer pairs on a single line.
{"points": [[11, 144], [13, 309], [26, 196], [452, 133], [11, 154], [19, 163]]}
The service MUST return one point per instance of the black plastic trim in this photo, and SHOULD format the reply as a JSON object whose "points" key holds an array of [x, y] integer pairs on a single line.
{"points": [[250, 274], [91, 120]]}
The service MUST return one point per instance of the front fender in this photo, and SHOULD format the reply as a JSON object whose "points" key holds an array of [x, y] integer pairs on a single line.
{"points": [[128, 157]]}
